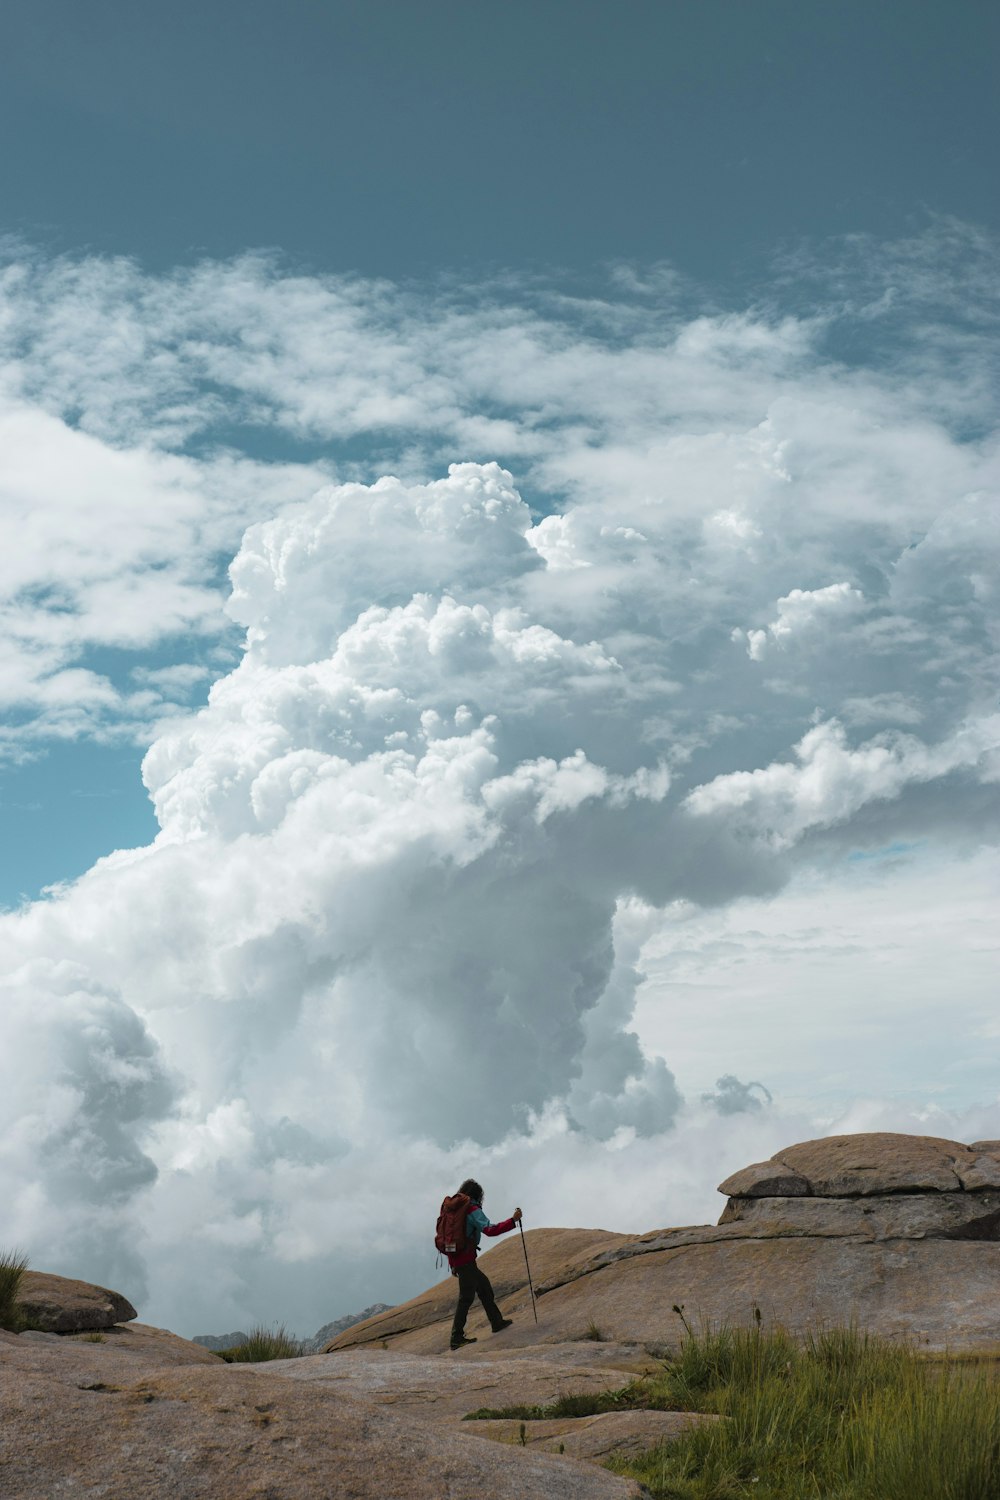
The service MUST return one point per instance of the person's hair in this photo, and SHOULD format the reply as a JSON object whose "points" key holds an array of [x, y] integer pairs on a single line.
{"points": [[470, 1187]]}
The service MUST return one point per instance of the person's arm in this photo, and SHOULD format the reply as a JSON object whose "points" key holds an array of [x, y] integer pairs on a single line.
{"points": [[482, 1223]]}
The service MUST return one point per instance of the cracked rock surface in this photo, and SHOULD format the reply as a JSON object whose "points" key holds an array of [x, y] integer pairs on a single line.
{"points": [[624, 1433]]}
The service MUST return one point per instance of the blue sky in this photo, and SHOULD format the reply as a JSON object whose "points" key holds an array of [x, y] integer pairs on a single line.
{"points": [[501, 578], [399, 139], [462, 142]]}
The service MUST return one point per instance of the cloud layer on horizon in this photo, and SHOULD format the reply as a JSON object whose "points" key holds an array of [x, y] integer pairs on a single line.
{"points": [[414, 846]]}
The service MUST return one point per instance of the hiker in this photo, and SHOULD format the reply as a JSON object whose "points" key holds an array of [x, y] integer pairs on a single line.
{"points": [[460, 1228]]}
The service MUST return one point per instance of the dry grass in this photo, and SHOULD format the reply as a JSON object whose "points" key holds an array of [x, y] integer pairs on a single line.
{"points": [[263, 1344], [12, 1268], [844, 1416]]}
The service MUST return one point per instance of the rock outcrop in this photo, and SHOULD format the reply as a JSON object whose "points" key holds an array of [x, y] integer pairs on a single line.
{"points": [[429, 1386], [849, 1166], [57, 1304], [557, 1255], [898, 1233], [102, 1419]]}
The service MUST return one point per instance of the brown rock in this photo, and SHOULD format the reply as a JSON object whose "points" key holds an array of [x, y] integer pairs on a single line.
{"points": [[623, 1433], [881, 1162], [438, 1387], [898, 1234], [139, 1342], [621, 1362], [765, 1179], [231, 1433], [58, 1304], [920, 1263], [973, 1216], [556, 1255], [939, 1293], [842, 1166], [983, 1173]]}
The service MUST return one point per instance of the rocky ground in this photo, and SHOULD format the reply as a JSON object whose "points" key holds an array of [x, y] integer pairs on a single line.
{"points": [[898, 1233], [146, 1413]]}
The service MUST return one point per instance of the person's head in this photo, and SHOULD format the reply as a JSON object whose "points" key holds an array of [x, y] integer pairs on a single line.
{"points": [[470, 1187]]}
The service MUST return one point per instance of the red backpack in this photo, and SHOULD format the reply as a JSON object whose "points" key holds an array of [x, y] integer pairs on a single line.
{"points": [[449, 1236]]}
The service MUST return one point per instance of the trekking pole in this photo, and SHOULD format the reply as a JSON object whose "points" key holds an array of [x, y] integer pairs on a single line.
{"points": [[531, 1289]]}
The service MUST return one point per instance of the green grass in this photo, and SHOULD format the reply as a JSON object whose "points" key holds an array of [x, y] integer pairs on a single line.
{"points": [[12, 1268], [626, 1398], [263, 1344], [843, 1416]]}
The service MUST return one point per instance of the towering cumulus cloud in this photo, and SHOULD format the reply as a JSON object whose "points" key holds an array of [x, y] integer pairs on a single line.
{"points": [[416, 800], [413, 846]]}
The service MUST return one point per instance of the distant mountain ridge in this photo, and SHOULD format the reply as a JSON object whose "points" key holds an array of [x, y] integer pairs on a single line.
{"points": [[329, 1331], [217, 1341], [319, 1340]]}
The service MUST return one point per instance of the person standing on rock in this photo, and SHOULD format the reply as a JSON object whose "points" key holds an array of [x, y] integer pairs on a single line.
{"points": [[461, 1225]]}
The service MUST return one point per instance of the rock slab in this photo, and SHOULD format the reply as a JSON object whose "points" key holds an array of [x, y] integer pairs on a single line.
{"points": [[439, 1386], [622, 1433], [907, 1216], [77, 1421], [898, 1234], [58, 1304], [423, 1323], [844, 1166]]}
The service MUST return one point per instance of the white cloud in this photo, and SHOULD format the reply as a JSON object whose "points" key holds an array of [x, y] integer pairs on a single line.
{"points": [[831, 782], [729, 422], [110, 547], [882, 708], [80, 1078], [419, 845], [800, 611]]}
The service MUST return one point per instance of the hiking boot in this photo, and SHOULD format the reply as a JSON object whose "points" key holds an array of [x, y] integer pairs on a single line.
{"points": [[504, 1323], [461, 1341]]}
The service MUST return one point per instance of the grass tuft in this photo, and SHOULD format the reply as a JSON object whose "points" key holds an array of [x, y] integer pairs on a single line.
{"points": [[263, 1344], [592, 1403], [844, 1415], [12, 1268]]}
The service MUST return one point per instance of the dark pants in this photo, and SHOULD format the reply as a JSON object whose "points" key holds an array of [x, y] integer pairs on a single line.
{"points": [[473, 1283]]}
